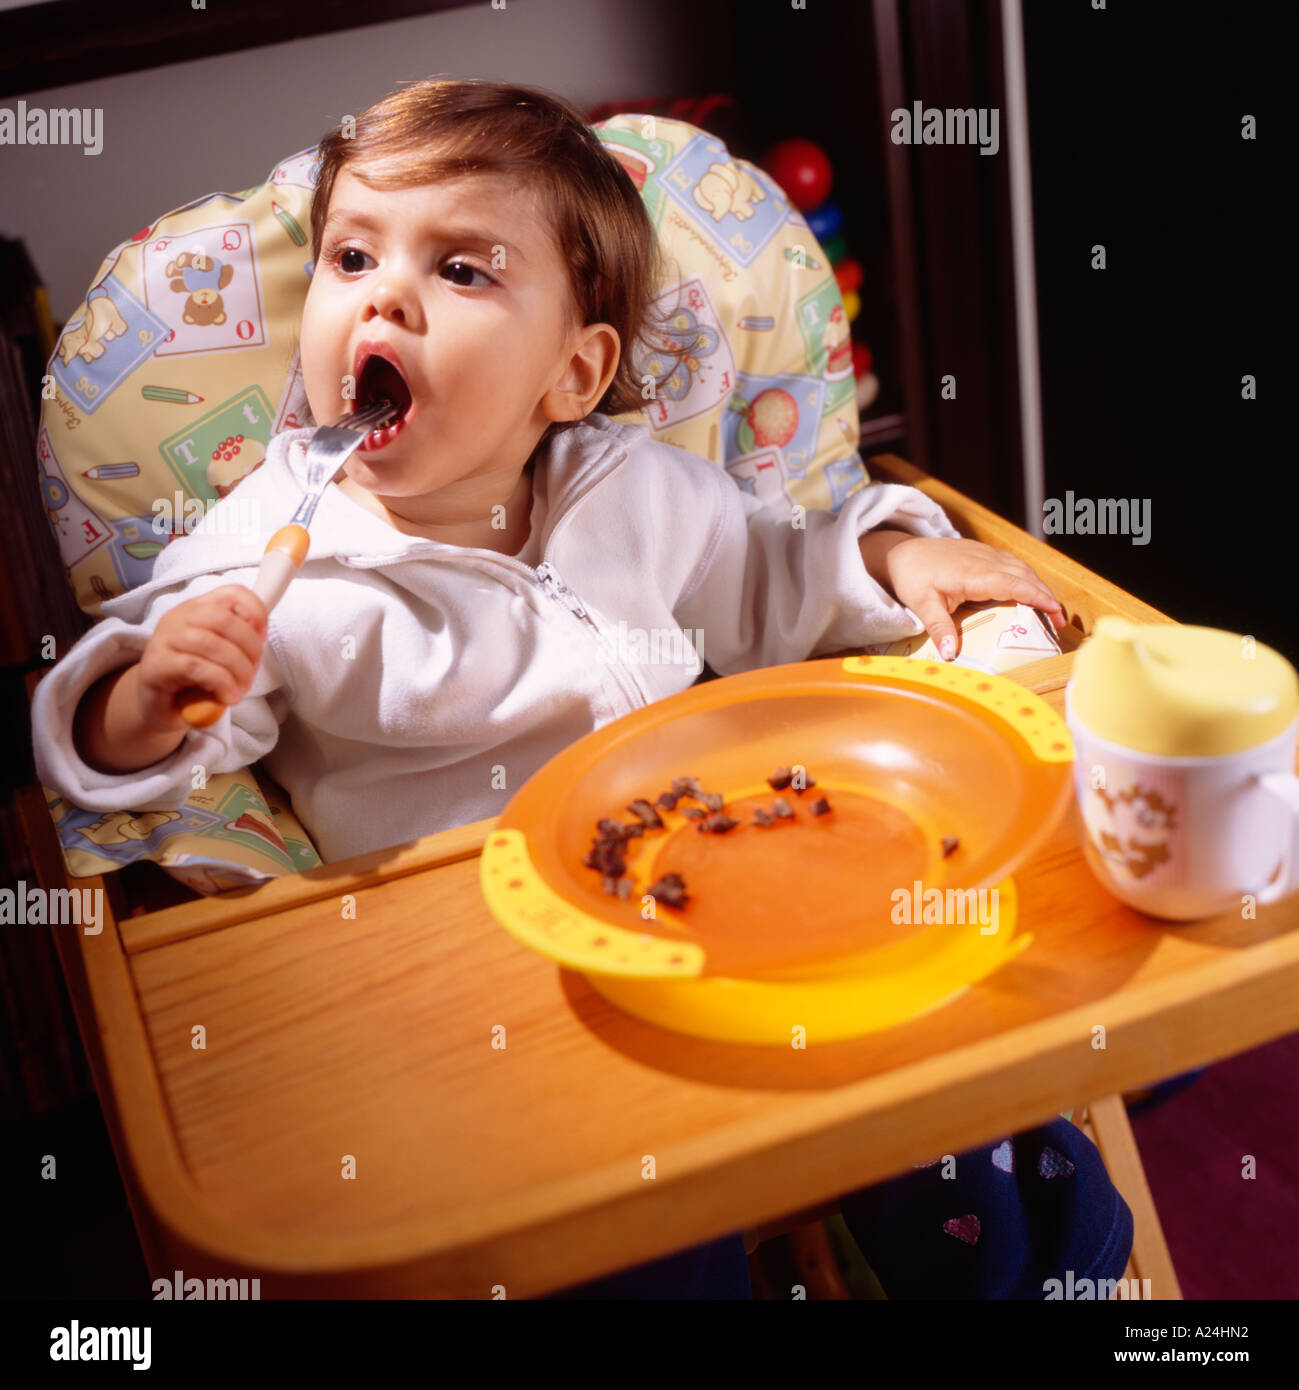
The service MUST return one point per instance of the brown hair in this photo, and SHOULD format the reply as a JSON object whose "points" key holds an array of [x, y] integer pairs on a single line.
{"points": [[446, 128]]}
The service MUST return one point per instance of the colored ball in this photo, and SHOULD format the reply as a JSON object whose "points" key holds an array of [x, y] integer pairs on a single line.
{"points": [[847, 276], [802, 170], [852, 304], [861, 359], [825, 221], [836, 249]]}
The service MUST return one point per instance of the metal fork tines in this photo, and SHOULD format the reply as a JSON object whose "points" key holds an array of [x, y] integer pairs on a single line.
{"points": [[330, 448]]}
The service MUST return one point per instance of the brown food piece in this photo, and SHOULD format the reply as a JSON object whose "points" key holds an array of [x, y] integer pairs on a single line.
{"points": [[668, 801], [693, 812], [717, 824], [713, 800], [605, 856], [762, 817], [780, 779], [609, 828], [624, 887], [687, 786], [950, 842], [633, 830], [671, 888], [820, 806], [640, 807], [782, 807]]}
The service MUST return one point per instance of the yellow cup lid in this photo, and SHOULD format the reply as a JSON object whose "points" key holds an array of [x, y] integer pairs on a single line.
{"points": [[1175, 691]]}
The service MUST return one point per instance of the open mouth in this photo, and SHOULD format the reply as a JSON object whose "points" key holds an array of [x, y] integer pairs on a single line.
{"points": [[381, 381]]}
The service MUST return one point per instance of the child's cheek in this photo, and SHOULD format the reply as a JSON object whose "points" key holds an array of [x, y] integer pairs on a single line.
{"points": [[314, 369]]}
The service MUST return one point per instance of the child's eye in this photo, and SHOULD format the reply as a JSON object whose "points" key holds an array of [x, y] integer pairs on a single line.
{"points": [[462, 266], [335, 254]]}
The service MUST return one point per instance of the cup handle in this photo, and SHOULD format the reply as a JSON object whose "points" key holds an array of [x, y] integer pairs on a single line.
{"points": [[1285, 787]]}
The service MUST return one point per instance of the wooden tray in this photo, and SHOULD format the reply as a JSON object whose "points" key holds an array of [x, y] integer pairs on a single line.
{"points": [[510, 1128]]}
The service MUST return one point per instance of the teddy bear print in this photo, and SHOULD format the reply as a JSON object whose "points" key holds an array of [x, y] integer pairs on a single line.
{"points": [[101, 323], [1143, 823], [727, 188], [123, 827], [201, 279]]}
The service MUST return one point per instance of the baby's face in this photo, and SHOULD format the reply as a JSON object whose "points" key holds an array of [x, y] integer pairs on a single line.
{"points": [[479, 333]]}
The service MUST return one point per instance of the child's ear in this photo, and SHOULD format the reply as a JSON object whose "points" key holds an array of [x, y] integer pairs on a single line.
{"points": [[592, 363]]}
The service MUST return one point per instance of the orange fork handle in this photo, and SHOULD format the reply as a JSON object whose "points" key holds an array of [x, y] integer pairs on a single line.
{"points": [[285, 552]]}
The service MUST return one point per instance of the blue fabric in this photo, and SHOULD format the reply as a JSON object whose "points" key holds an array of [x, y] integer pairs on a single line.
{"points": [[1013, 1215]]}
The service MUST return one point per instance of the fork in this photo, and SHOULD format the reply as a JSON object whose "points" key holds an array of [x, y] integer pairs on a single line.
{"points": [[329, 450]]}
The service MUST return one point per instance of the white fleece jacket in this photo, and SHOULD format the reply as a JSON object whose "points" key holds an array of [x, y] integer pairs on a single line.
{"points": [[408, 685]]}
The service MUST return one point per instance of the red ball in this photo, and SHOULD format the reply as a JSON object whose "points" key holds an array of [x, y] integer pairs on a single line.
{"points": [[802, 170], [848, 276], [861, 359]]}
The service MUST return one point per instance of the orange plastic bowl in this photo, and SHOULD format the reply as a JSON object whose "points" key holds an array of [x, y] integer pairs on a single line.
{"points": [[907, 753]]}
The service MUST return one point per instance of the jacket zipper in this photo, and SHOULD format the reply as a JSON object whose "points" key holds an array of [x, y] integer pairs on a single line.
{"points": [[551, 583], [554, 587]]}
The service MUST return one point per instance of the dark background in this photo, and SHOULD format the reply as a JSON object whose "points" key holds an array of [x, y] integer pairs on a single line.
{"points": [[1135, 117]]}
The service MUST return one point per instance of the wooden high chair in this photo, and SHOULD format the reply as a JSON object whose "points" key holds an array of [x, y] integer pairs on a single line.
{"points": [[195, 1142], [230, 1156]]}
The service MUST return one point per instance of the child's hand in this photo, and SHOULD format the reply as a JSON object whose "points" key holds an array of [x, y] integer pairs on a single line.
{"points": [[214, 642], [932, 577]]}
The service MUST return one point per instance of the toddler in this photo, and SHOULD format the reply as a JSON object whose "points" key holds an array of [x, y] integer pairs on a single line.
{"points": [[484, 263]]}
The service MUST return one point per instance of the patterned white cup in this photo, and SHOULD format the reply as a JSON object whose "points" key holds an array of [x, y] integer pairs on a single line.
{"points": [[1182, 838]]}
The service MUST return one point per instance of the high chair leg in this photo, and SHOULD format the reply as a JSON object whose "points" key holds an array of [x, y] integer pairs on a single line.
{"points": [[1105, 1123], [796, 1220]]}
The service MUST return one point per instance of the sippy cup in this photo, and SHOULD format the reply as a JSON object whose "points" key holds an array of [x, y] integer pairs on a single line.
{"points": [[1184, 741]]}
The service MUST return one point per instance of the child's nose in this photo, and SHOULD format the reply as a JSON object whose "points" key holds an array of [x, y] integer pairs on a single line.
{"points": [[391, 298]]}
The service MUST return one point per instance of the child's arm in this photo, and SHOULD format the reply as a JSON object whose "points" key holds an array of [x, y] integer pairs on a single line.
{"points": [[105, 731], [129, 719], [771, 588], [108, 731]]}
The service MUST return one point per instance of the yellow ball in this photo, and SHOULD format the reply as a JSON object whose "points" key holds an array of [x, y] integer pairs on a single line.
{"points": [[852, 304]]}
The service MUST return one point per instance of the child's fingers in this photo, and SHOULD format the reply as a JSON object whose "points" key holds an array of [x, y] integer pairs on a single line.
{"points": [[238, 604], [186, 669], [233, 613], [932, 612], [232, 629], [197, 643], [1001, 584], [1044, 598]]}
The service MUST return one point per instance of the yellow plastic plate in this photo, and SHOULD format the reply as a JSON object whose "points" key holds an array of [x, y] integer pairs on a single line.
{"points": [[906, 751], [897, 985]]}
